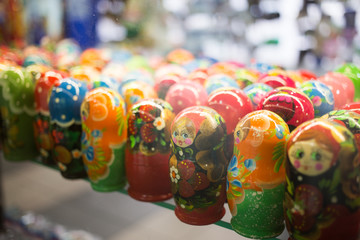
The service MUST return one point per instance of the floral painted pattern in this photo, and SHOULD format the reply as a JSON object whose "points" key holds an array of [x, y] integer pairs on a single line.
{"points": [[320, 95], [148, 126], [189, 181], [97, 167], [43, 136], [290, 104], [256, 92], [238, 170], [252, 159], [66, 141]]}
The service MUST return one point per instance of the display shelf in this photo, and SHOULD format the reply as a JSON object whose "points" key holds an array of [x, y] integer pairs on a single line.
{"points": [[164, 204]]}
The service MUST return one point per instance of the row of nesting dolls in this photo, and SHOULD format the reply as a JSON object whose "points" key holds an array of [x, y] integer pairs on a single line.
{"points": [[320, 187], [74, 135]]}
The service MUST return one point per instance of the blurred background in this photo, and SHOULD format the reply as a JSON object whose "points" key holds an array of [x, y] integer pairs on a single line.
{"points": [[313, 34]]}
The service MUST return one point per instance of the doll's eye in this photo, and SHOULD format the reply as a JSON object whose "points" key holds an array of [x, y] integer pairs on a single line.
{"points": [[185, 135], [316, 156], [176, 134], [299, 153], [238, 133]]}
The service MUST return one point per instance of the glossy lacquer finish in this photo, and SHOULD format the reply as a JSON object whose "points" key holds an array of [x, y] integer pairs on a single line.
{"points": [[341, 86], [354, 107], [256, 175], [64, 106], [44, 141], [290, 104], [17, 114], [198, 165], [351, 71], [103, 139], [276, 80], [148, 150], [232, 104], [256, 92], [186, 94], [347, 118], [320, 95], [322, 187]]}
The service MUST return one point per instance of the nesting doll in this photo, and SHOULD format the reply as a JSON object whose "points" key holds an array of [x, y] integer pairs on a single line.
{"points": [[320, 95], [245, 77], [322, 182], [341, 86], [217, 81], [148, 150], [42, 133], [103, 139], [135, 91], [289, 103], [17, 114], [256, 92], [65, 126], [186, 94], [256, 175], [198, 165]]}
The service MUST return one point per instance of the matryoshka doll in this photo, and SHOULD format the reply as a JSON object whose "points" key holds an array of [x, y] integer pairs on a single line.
{"points": [[320, 95], [186, 94], [148, 150], [198, 165], [256, 175], [135, 91], [17, 114], [341, 86], [42, 133], [179, 56], [256, 92], [103, 139], [290, 104], [65, 126], [322, 182]]}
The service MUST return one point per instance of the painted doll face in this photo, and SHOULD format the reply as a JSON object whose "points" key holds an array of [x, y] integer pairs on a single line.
{"points": [[310, 158], [184, 133]]}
